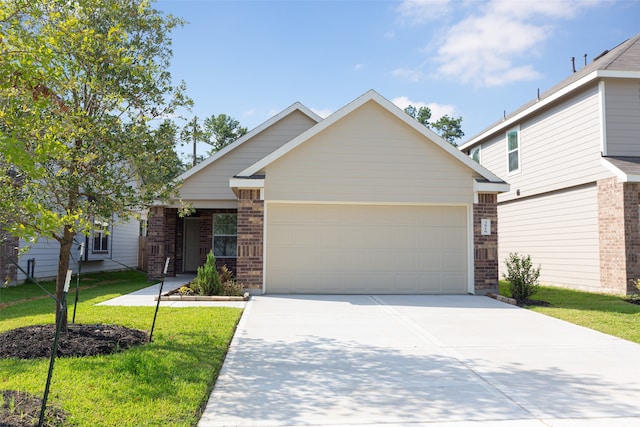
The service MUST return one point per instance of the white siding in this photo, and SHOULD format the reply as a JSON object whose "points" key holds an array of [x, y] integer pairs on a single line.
{"points": [[212, 182], [123, 253], [369, 156], [560, 148], [560, 232], [622, 100]]}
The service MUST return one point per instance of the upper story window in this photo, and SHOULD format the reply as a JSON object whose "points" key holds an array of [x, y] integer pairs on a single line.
{"points": [[225, 235], [513, 150], [474, 153], [101, 237]]}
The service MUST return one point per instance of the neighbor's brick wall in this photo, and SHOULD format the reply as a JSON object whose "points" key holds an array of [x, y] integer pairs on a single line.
{"points": [[619, 234], [8, 270], [250, 239], [485, 248]]}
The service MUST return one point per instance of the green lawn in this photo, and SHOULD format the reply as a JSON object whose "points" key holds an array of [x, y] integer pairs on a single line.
{"points": [[604, 313], [164, 383]]}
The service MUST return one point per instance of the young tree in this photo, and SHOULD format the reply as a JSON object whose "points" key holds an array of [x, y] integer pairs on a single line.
{"points": [[449, 128], [83, 84]]}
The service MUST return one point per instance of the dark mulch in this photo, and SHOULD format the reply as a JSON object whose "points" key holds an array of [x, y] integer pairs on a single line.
{"points": [[532, 302], [634, 300], [20, 409], [31, 342]]}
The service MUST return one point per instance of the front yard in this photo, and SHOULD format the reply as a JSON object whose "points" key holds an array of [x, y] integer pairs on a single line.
{"points": [[605, 313], [163, 383]]}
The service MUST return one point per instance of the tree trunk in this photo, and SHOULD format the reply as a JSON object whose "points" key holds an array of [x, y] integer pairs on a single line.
{"points": [[63, 265]]}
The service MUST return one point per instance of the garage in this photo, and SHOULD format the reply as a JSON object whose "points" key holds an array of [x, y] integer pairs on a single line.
{"points": [[364, 249]]}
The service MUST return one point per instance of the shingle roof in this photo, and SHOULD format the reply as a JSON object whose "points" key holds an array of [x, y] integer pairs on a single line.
{"points": [[628, 165], [624, 57]]}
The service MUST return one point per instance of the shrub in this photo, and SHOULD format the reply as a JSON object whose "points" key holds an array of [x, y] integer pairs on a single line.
{"points": [[522, 276], [231, 288], [207, 281]]}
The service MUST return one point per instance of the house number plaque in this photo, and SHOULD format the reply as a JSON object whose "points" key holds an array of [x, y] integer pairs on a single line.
{"points": [[485, 227]]}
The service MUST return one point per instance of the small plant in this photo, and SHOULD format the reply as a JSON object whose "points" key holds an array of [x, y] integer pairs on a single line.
{"points": [[225, 274], [207, 281], [634, 298], [522, 276]]}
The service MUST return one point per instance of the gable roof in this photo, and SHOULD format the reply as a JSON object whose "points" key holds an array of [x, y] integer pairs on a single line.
{"points": [[371, 95], [623, 61], [297, 106]]}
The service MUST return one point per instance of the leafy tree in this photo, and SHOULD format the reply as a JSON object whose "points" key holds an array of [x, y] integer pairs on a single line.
{"points": [[83, 84], [449, 128], [217, 131]]}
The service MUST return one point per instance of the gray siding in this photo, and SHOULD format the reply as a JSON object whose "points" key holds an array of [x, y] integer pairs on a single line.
{"points": [[123, 253], [560, 148], [560, 232], [622, 106]]}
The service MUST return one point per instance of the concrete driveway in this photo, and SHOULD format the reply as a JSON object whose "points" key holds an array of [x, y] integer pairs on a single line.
{"points": [[420, 360]]}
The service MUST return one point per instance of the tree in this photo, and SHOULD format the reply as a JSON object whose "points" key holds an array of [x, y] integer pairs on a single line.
{"points": [[449, 128], [83, 84], [217, 131]]}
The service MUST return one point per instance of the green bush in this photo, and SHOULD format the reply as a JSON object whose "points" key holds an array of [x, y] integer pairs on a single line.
{"points": [[522, 276], [207, 281]]}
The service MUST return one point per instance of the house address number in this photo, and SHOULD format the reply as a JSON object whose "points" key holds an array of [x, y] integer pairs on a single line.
{"points": [[485, 227]]}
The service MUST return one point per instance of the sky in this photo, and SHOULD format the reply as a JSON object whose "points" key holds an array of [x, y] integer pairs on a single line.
{"points": [[473, 59]]}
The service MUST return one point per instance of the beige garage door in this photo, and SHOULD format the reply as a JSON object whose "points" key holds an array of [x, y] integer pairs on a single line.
{"points": [[355, 249]]}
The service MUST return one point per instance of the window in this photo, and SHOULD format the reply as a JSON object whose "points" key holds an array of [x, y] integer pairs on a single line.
{"points": [[101, 237], [474, 153], [513, 150], [225, 235]]}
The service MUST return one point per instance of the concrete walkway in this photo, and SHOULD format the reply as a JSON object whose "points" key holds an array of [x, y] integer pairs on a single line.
{"points": [[455, 361], [146, 296]]}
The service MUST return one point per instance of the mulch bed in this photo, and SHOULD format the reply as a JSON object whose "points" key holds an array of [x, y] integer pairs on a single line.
{"points": [[532, 302], [20, 409], [32, 342]]}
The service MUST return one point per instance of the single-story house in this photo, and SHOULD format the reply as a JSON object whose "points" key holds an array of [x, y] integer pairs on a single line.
{"points": [[367, 200]]}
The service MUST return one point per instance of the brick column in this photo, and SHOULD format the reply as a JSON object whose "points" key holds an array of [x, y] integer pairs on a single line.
{"points": [[619, 234], [161, 237], [250, 239], [485, 248], [8, 270]]}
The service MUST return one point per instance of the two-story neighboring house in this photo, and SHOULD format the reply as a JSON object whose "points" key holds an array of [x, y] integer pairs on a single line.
{"points": [[572, 157]]}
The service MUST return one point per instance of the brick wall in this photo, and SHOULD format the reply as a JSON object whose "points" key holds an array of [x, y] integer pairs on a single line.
{"points": [[250, 239], [485, 248], [161, 241], [619, 234], [8, 270]]}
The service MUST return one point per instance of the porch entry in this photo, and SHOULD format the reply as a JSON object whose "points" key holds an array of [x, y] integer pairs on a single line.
{"points": [[191, 258]]}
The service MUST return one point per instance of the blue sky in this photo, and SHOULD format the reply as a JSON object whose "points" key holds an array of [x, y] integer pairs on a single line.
{"points": [[469, 58]]}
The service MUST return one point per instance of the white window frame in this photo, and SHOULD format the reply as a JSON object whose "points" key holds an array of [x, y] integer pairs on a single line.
{"points": [[517, 150], [224, 235], [101, 233], [479, 150]]}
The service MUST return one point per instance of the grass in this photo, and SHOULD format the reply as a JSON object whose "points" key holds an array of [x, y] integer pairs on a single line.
{"points": [[605, 313], [164, 383]]}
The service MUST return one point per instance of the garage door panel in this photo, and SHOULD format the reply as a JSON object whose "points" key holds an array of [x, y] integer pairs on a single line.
{"points": [[366, 249]]}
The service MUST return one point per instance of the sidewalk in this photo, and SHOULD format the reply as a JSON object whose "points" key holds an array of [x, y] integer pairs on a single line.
{"points": [[146, 296]]}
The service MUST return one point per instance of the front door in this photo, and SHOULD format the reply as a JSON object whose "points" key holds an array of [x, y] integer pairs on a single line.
{"points": [[191, 244]]}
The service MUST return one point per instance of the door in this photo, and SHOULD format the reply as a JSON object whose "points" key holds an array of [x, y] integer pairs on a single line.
{"points": [[191, 258]]}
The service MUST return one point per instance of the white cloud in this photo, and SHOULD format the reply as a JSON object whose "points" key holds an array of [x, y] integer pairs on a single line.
{"points": [[408, 74], [492, 45], [322, 113], [437, 110], [358, 67], [249, 113], [418, 11]]}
